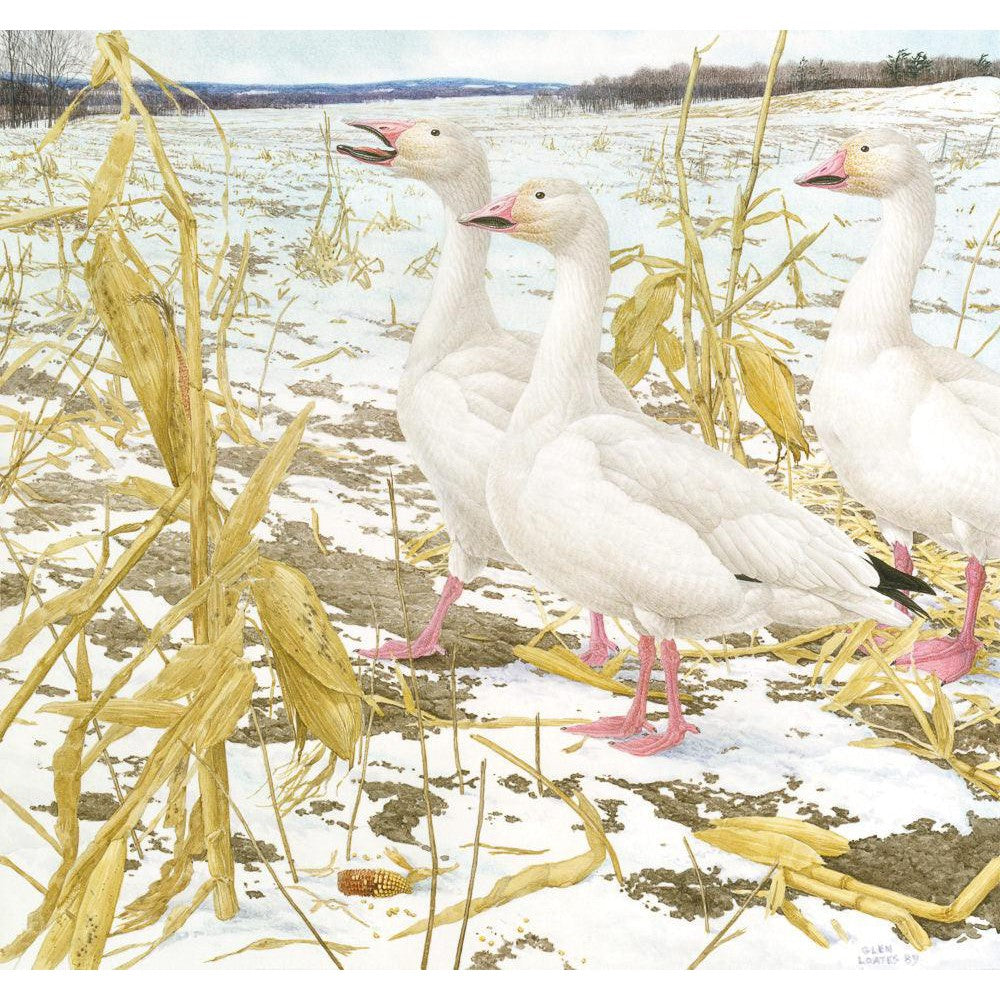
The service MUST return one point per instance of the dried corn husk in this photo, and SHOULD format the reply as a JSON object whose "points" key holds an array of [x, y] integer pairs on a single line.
{"points": [[322, 696], [125, 297], [765, 847], [175, 921], [110, 177], [70, 602], [132, 712], [798, 919], [637, 327], [825, 842], [66, 771], [770, 392], [270, 944]]}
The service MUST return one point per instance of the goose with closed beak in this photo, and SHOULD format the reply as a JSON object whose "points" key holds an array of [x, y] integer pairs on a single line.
{"points": [[912, 430], [464, 372], [638, 519]]}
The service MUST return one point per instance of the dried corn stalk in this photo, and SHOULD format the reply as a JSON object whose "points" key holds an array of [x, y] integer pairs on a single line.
{"points": [[758, 839]]}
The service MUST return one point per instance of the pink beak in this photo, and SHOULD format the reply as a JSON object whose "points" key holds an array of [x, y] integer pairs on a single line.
{"points": [[830, 174], [389, 133], [496, 216]]}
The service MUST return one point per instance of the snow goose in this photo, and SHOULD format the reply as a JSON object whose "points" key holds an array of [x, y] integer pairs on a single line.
{"points": [[934, 464], [638, 519], [464, 373]]}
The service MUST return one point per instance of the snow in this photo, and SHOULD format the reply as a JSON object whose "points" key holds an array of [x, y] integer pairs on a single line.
{"points": [[753, 742]]}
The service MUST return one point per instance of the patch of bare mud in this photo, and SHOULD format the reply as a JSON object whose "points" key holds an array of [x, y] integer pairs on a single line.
{"points": [[930, 864], [679, 892], [693, 805], [244, 853], [275, 728], [403, 810], [120, 634], [324, 388], [28, 383], [12, 589], [492, 958]]}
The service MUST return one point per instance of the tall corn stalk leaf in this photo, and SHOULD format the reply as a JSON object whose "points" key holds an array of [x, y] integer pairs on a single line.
{"points": [[97, 908], [637, 325], [252, 503]]}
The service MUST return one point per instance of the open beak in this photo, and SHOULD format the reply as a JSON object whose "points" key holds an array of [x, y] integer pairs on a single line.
{"points": [[496, 216], [386, 131], [830, 174]]}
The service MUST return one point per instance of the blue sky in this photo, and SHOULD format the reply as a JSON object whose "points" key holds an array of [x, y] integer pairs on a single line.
{"points": [[569, 56]]}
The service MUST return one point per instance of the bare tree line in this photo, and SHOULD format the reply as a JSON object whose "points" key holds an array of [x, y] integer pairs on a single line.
{"points": [[39, 71], [649, 86]]}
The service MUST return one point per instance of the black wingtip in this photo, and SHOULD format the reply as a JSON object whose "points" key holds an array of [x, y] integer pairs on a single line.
{"points": [[901, 598], [890, 578]]}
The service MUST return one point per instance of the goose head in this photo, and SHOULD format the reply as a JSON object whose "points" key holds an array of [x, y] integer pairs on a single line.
{"points": [[553, 212], [877, 163], [432, 150]]}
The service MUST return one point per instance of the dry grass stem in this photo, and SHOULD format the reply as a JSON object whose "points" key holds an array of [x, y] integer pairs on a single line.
{"points": [[474, 865]]}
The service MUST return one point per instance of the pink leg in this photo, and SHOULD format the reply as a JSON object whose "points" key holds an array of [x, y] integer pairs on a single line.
{"points": [[635, 722], [600, 649], [901, 558], [426, 644], [902, 561], [948, 658], [677, 726]]}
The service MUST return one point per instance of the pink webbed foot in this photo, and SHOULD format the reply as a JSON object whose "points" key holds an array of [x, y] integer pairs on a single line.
{"points": [[425, 644], [948, 659], [396, 649], [600, 649], [677, 727], [613, 727], [647, 746], [598, 653]]}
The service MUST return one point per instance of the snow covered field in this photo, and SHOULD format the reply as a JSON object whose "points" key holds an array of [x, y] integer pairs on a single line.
{"points": [[766, 746]]}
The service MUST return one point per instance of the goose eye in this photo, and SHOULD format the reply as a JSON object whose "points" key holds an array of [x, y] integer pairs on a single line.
{"points": [[539, 195], [435, 131], [864, 149]]}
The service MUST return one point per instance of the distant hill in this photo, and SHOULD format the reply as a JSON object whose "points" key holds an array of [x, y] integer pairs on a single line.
{"points": [[266, 95], [343, 93]]}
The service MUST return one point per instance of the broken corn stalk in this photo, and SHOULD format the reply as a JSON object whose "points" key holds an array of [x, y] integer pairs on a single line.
{"points": [[770, 840]]}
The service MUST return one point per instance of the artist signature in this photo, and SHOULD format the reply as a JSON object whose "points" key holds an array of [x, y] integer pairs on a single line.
{"points": [[883, 956]]}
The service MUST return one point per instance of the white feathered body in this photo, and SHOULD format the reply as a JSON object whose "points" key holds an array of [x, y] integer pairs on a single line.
{"points": [[912, 430], [636, 519]]}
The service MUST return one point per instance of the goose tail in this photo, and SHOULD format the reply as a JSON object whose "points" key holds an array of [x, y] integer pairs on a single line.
{"points": [[894, 583]]}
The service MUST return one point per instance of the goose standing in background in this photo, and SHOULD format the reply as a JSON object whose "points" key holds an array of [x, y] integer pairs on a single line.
{"points": [[912, 430], [464, 373], [638, 519]]}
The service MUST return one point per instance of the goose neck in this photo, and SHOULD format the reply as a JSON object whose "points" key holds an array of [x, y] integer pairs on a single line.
{"points": [[458, 303], [877, 302], [563, 382]]}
